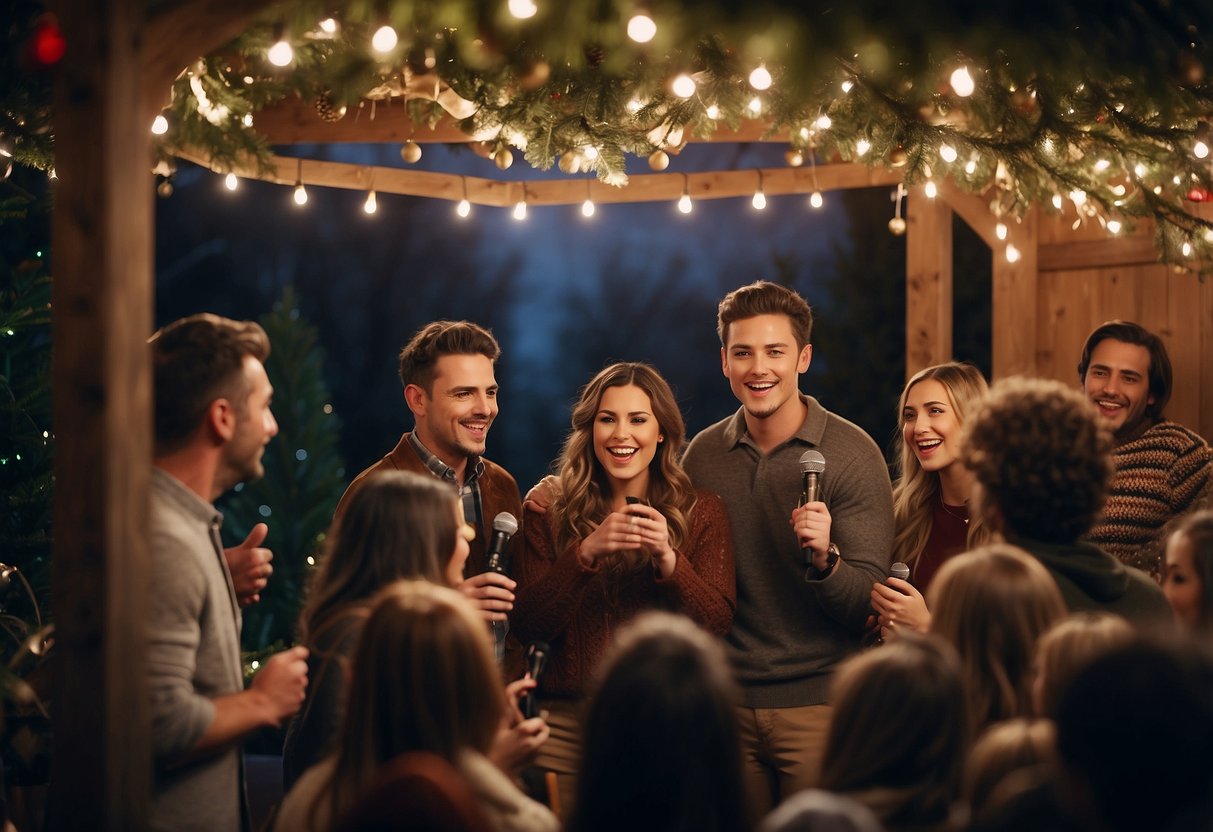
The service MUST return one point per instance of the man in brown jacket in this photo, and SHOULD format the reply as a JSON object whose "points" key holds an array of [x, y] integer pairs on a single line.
{"points": [[449, 385]]}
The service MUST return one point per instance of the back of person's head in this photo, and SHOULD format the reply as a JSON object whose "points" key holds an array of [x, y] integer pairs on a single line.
{"points": [[1005, 748], [765, 298], [661, 744], [1132, 333], [898, 736], [1135, 738], [1067, 647], [992, 605], [814, 810], [434, 340], [196, 360], [1195, 532], [423, 679], [1041, 458], [398, 524]]}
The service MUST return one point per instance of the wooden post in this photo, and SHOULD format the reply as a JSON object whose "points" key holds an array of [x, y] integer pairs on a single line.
{"points": [[1015, 310], [928, 281], [102, 316]]}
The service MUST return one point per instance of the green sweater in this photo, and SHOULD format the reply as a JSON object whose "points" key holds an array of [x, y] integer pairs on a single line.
{"points": [[788, 634]]}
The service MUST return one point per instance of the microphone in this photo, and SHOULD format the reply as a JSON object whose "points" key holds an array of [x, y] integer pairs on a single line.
{"points": [[812, 466], [505, 526], [899, 570], [536, 663]]}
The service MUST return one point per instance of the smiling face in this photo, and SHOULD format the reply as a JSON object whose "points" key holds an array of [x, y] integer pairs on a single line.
{"points": [[626, 436], [763, 366], [1118, 382], [1181, 583], [454, 416], [255, 426], [929, 425]]}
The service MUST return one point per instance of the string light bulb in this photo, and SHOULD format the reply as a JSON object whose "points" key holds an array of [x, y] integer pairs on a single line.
{"points": [[947, 153], [862, 147], [247, 121], [231, 182], [281, 53], [329, 26], [371, 205], [684, 201], [520, 209], [1000, 230], [816, 199], [760, 198], [384, 40], [587, 207], [1114, 226], [683, 86], [159, 125], [1200, 150], [847, 85], [1013, 254], [962, 82], [930, 189], [712, 112], [1186, 249], [464, 208], [754, 107], [523, 9], [300, 191], [641, 28], [760, 78]]}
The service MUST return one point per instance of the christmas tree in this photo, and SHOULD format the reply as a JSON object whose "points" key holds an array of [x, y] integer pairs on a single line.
{"points": [[304, 476]]}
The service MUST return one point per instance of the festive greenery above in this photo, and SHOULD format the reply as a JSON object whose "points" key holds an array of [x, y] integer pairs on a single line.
{"points": [[1103, 105]]}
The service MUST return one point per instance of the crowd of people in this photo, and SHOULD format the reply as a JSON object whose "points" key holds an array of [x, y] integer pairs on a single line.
{"points": [[703, 635]]}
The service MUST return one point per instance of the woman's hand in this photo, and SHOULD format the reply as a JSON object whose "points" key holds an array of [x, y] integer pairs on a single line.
{"points": [[517, 739], [899, 605], [655, 537], [618, 532]]}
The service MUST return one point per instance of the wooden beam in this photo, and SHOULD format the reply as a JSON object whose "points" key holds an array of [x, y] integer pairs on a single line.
{"points": [[928, 281], [655, 187], [295, 121], [1135, 250], [1015, 314], [102, 416], [971, 208]]}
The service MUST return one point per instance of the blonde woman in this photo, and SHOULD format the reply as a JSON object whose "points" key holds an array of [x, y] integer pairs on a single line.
{"points": [[423, 679], [931, 496]]}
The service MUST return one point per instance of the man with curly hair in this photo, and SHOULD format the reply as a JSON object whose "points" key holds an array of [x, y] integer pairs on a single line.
{"points": [[1161, 468], [1042, 464]]}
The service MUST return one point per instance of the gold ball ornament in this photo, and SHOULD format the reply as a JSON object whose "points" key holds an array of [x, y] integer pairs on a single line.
{"points": [[794, 157], [410, 152], [504, 158], [898, 157], [659, 160], [165, 189], [534, 76], [570, 162], [897, 226]]}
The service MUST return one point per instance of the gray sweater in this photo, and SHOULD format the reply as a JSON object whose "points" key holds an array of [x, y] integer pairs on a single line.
{"points": [[193, 657], [788, 634]]}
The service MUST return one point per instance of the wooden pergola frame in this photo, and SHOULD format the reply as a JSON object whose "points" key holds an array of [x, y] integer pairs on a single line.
{"points": [[120, 61]]}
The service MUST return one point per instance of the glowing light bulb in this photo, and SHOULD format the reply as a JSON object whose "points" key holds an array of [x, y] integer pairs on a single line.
{"points": [[970, 167], [641, 28], [1114, 226], [930, 190], [1057, 201], [823, 122], [847, 85], [1079, 198], [1140, 170], [1200, 150], [684, 203], [962, 82], [384, 39], [587, 208], [816, 199], [683, 86], [159, 125], [231, 182], [522, 9], [371, 205], [862, 147], [300, 194], [712, 112], [463, 208], [634, 105], [1102, 165], [1000, 230], [755, 106], [759, 201], [247, 121], [590, 152], [947, 153], [328, 26], [281, 54], [520, 210], [760, 78], [1186, 249], [1013, 254]]}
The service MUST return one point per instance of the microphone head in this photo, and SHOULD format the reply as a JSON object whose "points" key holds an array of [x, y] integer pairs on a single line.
{"points": [[899, 570], [505, 522], [812, 462]]}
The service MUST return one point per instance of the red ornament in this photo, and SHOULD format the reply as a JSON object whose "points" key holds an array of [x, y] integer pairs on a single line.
{"points": [[1200, 195], [46, 45]]}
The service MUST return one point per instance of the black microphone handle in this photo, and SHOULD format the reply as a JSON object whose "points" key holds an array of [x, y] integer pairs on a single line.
{"points": [[812, 484], [496, 556]]}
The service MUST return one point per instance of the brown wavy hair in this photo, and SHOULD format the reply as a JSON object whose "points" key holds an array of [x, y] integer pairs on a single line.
{"points": [[915, 489], [584, 497]]}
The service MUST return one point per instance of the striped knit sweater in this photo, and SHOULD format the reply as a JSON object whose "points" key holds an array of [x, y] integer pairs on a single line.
{"points": [[1159, 475]]}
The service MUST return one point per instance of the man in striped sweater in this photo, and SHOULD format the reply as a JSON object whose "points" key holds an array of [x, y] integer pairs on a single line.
{"points": [[1161, 467]]}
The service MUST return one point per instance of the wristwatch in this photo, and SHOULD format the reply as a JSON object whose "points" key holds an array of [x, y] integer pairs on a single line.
{"points": [[832, 555]]}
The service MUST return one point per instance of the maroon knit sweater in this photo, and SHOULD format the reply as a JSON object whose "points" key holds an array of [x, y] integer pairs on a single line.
{"points": [[577, 610]]}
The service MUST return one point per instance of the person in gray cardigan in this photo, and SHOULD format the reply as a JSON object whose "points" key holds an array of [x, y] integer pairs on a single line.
{"points": [[212, 422], [804, 573]]}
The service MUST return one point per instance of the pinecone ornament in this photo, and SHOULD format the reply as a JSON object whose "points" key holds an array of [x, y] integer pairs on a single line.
{"points": [[325, 109]]}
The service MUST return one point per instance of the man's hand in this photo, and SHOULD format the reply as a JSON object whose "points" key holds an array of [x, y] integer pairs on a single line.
{"points": [[249, 564], [811, 523], [541, 496], [492, 593], [282, 683]]}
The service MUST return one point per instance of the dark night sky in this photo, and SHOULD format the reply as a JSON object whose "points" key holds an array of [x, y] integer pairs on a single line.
{"points": [[564, 294]]}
